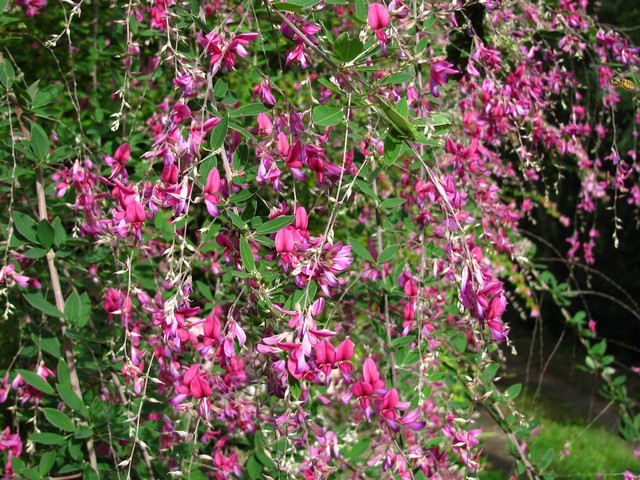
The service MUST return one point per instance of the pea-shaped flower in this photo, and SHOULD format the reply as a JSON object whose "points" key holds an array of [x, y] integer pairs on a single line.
{"points": [[378, 17]]}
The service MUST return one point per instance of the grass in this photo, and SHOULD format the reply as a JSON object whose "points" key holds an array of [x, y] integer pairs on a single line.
{"points": [[591, 451]]}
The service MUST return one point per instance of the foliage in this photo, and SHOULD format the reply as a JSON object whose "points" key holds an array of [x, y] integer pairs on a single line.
{"points": [[266, 239]]}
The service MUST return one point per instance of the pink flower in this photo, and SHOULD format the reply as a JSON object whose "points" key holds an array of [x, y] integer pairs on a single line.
{"points": [[440, 70], [211, 189], [328, 358], [118, 161], [265, 127], [284, 240], [32, 7], [378, 16], [364, 389], [9, 276], [264, 90]]}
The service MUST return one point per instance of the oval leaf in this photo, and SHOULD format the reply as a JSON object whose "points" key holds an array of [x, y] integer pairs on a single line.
{"points": [[275, 225], [39, 142], [59, 419], [36, 381], [47, 438], [326, 116], [72, 400], [219, 133], [361, 250], [249, 110], [46, 234], [37, 301], [387, 254], [247, 255]]}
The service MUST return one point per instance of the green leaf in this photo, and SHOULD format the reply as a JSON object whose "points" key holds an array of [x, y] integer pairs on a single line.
{"points": [[47, 95], [359, 448], [39, 142], [287, 7], [59, 419], [295, 5], [219, 133], [304, 3], [387, 254], [403, 341], [411, 358], [46, 234], [391, 203], [295, 389], [254, 467], [361, 10], [392, 149], [440, 122], [204, 290], [365, 188], [26, 226], [347, 47], [220, 88], [37, 301], [77, 309], [75, 449], [513, 391], [47, 438], [249, 110], [275, 225], [360, 250], [429, 21], [459, 342], [398, 77], [242, 195], [236, 220], [36, 381], [63, 373], [61, 153], [247, 255], [50, 345], [72, 400], [81, 433], [397, 120], [18, 465], [60, 237], [264, 458], [7, 73], [35, 253], [432, 251], [326, 116], [46, 462]]}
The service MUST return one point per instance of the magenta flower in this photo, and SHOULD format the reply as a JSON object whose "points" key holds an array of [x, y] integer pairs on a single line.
{"points": [[265, 127], [195, 384], [327, 358], [284, 240], [440, 71], [378, 16], [9, 276], [364, 389], [264, 91], [211, 189], [118, 161], [32, 7], [223, 52]]}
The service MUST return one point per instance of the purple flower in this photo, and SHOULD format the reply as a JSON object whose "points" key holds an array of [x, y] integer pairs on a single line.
{"points": [[440, 70]]}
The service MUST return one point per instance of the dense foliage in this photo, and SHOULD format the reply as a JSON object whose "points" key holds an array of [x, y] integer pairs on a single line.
{"points": [[271, 239]]}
